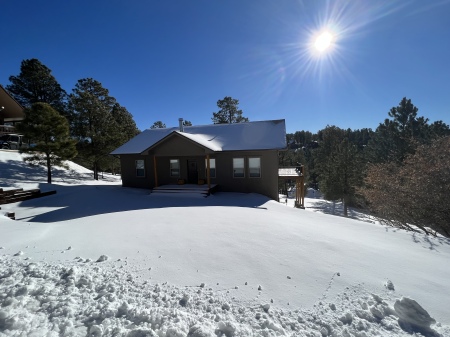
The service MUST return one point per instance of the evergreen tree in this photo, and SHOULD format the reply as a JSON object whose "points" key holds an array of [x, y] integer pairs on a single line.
{"points": [[35, 83], [125, 122], [399, 136], [126, 129], [229, 112], [158, 125], [95, 124], [49, 131], [339, 166]]}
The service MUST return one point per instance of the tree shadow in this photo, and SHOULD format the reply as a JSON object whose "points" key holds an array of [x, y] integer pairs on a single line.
{"points": [[79, 201], [430, 242], [13, 172], [328, 207]]}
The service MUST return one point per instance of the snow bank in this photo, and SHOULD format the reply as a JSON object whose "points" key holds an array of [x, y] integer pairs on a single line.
{"points": [[97, 259], [104, 299]]}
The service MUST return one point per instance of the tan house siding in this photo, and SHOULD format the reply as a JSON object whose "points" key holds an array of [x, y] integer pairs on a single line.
{"points": [[177, 146], [266, 185], [128, 167]]}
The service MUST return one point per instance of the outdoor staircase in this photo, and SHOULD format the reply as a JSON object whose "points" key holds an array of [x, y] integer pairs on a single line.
{"points": [[184, 189], [19, 194]]}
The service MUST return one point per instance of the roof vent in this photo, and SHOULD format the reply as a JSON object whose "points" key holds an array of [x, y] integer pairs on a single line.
{"points": [[180, 120]]}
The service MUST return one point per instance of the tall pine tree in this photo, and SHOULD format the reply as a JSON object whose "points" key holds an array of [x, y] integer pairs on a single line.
{"points": [[399, 136], [339, 166], [100, 123], [35, 83], [229, 112], [49, 132]]}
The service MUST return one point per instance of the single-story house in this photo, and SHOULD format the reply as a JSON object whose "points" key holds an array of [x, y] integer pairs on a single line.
{"points": [[240, 157]]}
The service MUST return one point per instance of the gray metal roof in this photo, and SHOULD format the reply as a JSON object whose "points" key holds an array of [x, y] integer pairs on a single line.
{"points": [[260, 135]]}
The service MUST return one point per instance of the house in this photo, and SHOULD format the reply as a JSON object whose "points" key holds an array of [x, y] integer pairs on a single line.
{"points": [[11, 112], [240, 157]]}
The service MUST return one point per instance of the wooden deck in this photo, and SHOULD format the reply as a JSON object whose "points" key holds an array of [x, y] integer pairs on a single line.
{"points": [[185, 188], [19, 194]]}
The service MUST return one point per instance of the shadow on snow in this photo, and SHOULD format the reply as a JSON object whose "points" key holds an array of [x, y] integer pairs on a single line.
{"points": [[78, 201]]}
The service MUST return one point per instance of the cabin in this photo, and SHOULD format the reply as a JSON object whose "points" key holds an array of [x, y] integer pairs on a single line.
{"points": [[11, 112], [240, 157]]}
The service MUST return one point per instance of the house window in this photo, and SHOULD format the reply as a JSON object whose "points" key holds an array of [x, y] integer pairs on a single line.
{"points": [[254, 167], [238, 168], [174, 167], [212, 167], [140, 168]]}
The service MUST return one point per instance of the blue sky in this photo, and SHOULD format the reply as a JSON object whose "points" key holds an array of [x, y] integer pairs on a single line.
{"points": [[168, 59]]}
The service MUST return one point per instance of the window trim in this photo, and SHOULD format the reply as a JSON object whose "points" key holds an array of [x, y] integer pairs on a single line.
{"points": [[249, 167], [211, 169], [243, 168], [171, 169], [137, 169]]}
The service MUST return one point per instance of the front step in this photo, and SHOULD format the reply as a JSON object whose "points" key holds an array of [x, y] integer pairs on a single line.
{"points": [[183, 189]]}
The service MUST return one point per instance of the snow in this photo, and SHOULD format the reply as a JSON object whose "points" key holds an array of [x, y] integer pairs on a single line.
{"points": [[259, 135], [98, 259]]}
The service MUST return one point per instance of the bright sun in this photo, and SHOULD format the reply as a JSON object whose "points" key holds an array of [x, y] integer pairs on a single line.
{"points": [[323, 41]]}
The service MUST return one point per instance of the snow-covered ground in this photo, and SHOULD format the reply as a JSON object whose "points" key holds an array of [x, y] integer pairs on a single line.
{"points": [[97, 259]]}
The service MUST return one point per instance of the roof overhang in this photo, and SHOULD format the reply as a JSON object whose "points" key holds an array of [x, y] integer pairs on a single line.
{"points": [[12, 111]]}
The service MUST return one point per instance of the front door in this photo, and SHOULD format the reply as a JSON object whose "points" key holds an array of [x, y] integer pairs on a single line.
{"points": [[192, 172]]}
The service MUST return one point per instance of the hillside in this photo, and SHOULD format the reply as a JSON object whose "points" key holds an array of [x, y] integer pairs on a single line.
{"points": [[103, 260]]}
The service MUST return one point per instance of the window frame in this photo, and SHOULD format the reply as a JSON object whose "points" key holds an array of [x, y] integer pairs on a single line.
{"points": [[235, 168], [171, 169], [139, 169], [250, 167], [211, 169]]}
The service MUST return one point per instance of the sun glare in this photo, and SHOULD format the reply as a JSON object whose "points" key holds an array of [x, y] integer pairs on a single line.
{"points": [[323, 41]]}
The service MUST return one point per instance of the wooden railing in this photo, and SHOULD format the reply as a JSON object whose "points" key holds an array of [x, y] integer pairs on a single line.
{"points": [[7, 129]]}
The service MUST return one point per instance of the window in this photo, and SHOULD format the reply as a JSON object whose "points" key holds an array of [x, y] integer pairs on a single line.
{"points": [[174, 167], [238, 168], [254, 167], [140, 168], [212, 167]]}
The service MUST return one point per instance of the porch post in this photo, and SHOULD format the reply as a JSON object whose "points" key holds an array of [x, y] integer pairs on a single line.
{"points": [[208, 175], [154, 169], [302, 185]]}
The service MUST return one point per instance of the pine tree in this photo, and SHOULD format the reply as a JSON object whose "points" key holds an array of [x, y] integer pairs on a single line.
{"points": [[158, 125], [49, 132], [94, 123], [399, 136], [35, 83], [339, 166], [229, 112]]}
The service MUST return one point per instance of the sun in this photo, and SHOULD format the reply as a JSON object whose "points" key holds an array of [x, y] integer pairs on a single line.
{"points": [[323, 41]]}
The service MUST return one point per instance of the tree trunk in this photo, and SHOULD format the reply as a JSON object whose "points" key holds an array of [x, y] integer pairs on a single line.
{"points": [[95, 171], [49, 170], [345, 208]]}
